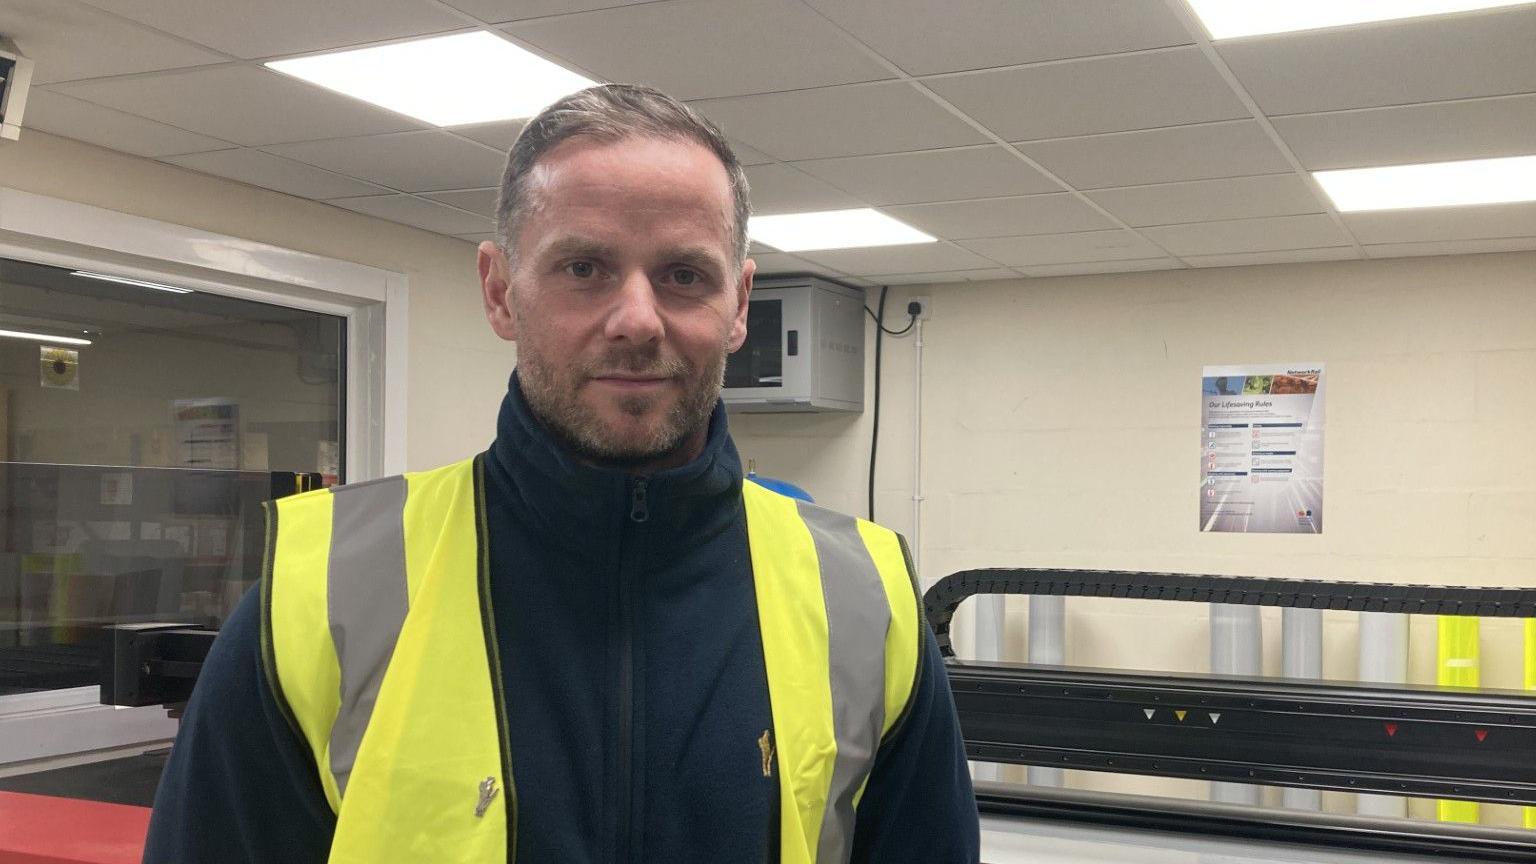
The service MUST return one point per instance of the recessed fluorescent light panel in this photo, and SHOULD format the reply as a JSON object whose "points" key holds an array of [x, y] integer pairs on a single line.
{"points": [[1438, 184], [124, 280], [833, 229], [43, 337], [445, 80], [1229, 19]]}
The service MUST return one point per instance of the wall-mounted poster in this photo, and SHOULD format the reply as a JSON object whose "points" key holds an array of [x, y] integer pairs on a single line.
{"points": [[209, 432], [1261, 449]]}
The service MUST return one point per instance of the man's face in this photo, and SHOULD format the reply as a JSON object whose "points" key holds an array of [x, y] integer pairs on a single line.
{"points": [[623, 297]]}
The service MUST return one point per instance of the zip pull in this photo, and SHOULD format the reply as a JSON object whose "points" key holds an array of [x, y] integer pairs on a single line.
{"points": [[639, 508]]}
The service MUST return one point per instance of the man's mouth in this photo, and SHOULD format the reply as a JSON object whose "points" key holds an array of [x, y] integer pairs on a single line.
{"points": [[630, 381]]}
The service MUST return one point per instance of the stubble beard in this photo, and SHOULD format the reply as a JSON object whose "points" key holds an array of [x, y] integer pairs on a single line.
{"points": [[554, 394]]}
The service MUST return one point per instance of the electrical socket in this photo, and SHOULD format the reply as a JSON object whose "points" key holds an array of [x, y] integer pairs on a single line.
{"points": [[927, 304]]}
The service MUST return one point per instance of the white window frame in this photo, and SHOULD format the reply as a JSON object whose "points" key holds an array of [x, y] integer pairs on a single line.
{"points": [[376, 305]]}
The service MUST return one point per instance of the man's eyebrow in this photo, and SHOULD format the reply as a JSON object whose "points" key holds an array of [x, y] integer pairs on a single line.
{"points": [[578, 247], [696, 256]]}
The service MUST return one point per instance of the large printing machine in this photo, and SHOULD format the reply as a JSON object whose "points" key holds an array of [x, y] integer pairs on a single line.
{"points": [[1430, 742]]}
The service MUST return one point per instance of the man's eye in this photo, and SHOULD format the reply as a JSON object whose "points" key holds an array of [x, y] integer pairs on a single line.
{"points": [[685, 277], [581, 269]]}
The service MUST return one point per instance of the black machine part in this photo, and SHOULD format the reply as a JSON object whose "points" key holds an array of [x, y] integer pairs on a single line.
{"points": [[1439, 742], [153, 664]]}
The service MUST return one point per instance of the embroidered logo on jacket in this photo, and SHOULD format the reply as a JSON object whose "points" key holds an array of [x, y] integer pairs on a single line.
{"points": [[765, 744], [488, 792]]}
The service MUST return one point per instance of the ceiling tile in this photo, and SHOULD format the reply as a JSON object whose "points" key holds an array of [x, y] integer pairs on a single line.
{"points": [[1248, 235], [246, 105], [273, 27], [814, 124], [1389, 63], [779, 264], [1073, 248], [501, 11], [986, 275], [1290, 256], [1084, 97], [1210, 200], [1096, 268], [1436, 132], [1443, 223], [769, 263], [61, 115], [477, 238], [1451, 247], [933, 175], [782, 189], [407, 161], [480, 201], [1237, 149], [70, 40], [908, 258], [274, 172], [698, 49], [499, 134], [1003, 217], [416, 212], [923, 37]]}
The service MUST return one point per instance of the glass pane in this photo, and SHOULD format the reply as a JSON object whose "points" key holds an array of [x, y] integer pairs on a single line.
{"points": [[140, 429], [760, 362]]}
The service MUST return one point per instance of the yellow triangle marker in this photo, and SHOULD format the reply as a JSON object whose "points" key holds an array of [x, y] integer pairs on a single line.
{"points": [[1180, 715]]}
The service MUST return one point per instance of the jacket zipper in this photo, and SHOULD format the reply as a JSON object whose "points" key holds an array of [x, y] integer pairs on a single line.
{"points": [[639, 513], [639, 507]]}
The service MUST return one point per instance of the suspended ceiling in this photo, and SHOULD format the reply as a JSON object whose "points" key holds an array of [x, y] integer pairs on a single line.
{"points": [[1038, 138]]}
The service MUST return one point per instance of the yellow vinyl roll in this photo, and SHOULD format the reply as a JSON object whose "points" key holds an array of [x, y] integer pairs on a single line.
{"points": [[1530, 684], [1458, 664]]}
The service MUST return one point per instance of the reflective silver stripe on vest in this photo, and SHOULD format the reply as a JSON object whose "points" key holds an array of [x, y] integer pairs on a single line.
{"points": [[858, 616], [366, 598]]}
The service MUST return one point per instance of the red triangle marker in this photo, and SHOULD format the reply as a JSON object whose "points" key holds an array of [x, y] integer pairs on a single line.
{"points": [[1481, 734], [1391, 729]]}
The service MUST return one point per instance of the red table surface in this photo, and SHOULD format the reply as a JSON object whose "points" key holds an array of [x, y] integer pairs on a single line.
{"points": [[40, 829]]}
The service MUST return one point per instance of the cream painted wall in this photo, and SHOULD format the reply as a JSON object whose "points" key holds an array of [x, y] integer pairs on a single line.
{"points": [[458, 368], [1060, 420], [1061, 425]]}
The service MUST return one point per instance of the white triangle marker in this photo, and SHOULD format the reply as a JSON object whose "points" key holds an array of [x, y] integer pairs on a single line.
{"points": [[1215, 718], [1149, 712]]}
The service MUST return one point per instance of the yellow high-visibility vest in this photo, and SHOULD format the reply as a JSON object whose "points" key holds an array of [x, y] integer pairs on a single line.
{"points": [[378, 637]]}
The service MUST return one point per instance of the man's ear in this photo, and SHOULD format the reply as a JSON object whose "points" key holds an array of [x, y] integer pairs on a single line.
{"points": [[738, 333], [496, 290]]}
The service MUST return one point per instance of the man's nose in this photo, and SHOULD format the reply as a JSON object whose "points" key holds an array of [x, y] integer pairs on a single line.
{"points": [[635, 315]]}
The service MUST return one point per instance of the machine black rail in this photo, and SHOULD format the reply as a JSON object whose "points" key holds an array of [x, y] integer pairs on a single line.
{"points": [[1423, 742], [945, 597]]}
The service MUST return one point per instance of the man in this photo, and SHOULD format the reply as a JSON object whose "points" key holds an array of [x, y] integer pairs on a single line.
{"points": [[592, 643]]}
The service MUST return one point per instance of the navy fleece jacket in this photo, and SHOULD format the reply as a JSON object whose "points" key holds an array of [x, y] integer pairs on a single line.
{"points": [[636, 691]]}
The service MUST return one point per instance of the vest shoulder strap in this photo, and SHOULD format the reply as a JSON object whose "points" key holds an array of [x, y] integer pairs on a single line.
{"points": [[338, 580], [838, 611]]}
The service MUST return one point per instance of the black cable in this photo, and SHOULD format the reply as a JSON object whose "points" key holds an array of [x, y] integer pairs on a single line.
{"points": [[879, 320], [874, 435]]}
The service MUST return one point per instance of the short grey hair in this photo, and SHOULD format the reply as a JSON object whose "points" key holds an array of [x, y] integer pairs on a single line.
{"points": [[610, 113]]}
